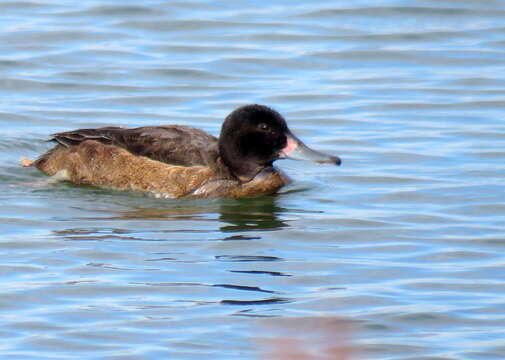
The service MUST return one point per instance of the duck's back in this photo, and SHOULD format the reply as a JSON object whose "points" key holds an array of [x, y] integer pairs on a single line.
{"points": [[173, 144]]}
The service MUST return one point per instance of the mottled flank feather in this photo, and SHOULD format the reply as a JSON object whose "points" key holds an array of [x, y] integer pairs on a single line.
{"points": [[94, 163]]}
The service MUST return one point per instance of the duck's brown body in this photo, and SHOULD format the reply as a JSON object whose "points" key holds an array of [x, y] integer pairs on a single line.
{"points": [[94, 163], [179, 161]]}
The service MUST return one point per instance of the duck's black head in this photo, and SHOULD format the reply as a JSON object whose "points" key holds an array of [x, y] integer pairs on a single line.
{"points": [[254, 136]]}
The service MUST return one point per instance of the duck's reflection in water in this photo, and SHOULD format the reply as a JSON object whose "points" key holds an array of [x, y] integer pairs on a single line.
{"points": [[172, 236], [231, 217], [252, 214], [234, 215]]}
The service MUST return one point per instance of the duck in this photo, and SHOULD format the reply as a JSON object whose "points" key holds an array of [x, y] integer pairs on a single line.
{"points": [[178, 161]]}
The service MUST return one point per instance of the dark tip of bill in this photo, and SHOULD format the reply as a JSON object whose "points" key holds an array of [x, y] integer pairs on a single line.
{"points": [[330, 159], [337, 160]]}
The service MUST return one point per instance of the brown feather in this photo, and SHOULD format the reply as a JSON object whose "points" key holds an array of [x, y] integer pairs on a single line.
{"points": [[94, 163], [173, 144]]}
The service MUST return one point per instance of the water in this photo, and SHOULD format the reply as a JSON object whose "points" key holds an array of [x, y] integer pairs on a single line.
{"points": [[398, 254]]}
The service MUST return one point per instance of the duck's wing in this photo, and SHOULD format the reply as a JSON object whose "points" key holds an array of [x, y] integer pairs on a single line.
{"points": [[173, 144]]}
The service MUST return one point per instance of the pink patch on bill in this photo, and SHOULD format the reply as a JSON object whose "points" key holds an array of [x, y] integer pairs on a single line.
{"points": [[291, 145]]}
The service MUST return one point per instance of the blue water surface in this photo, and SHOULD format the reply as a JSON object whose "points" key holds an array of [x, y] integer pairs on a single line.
{"points": [[398, 254]]}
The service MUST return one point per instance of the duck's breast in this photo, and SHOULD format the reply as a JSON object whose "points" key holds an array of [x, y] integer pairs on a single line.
{"points": [[266, 182]]}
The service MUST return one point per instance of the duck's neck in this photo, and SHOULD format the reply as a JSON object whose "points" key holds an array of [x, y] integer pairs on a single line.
{"points": [[242, 172], [239, 159]]}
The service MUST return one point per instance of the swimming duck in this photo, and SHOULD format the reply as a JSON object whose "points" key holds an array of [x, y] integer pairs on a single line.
{"points": [[179, 161]]}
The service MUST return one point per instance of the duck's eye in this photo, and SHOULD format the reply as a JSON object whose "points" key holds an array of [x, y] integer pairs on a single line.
{"points": [[264, 127]]}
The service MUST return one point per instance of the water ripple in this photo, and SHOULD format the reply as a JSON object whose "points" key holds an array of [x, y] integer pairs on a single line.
{"points": [[404, 241]]}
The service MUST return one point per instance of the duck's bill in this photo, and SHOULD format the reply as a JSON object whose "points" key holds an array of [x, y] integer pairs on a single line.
{"points": [[295, 149]]}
